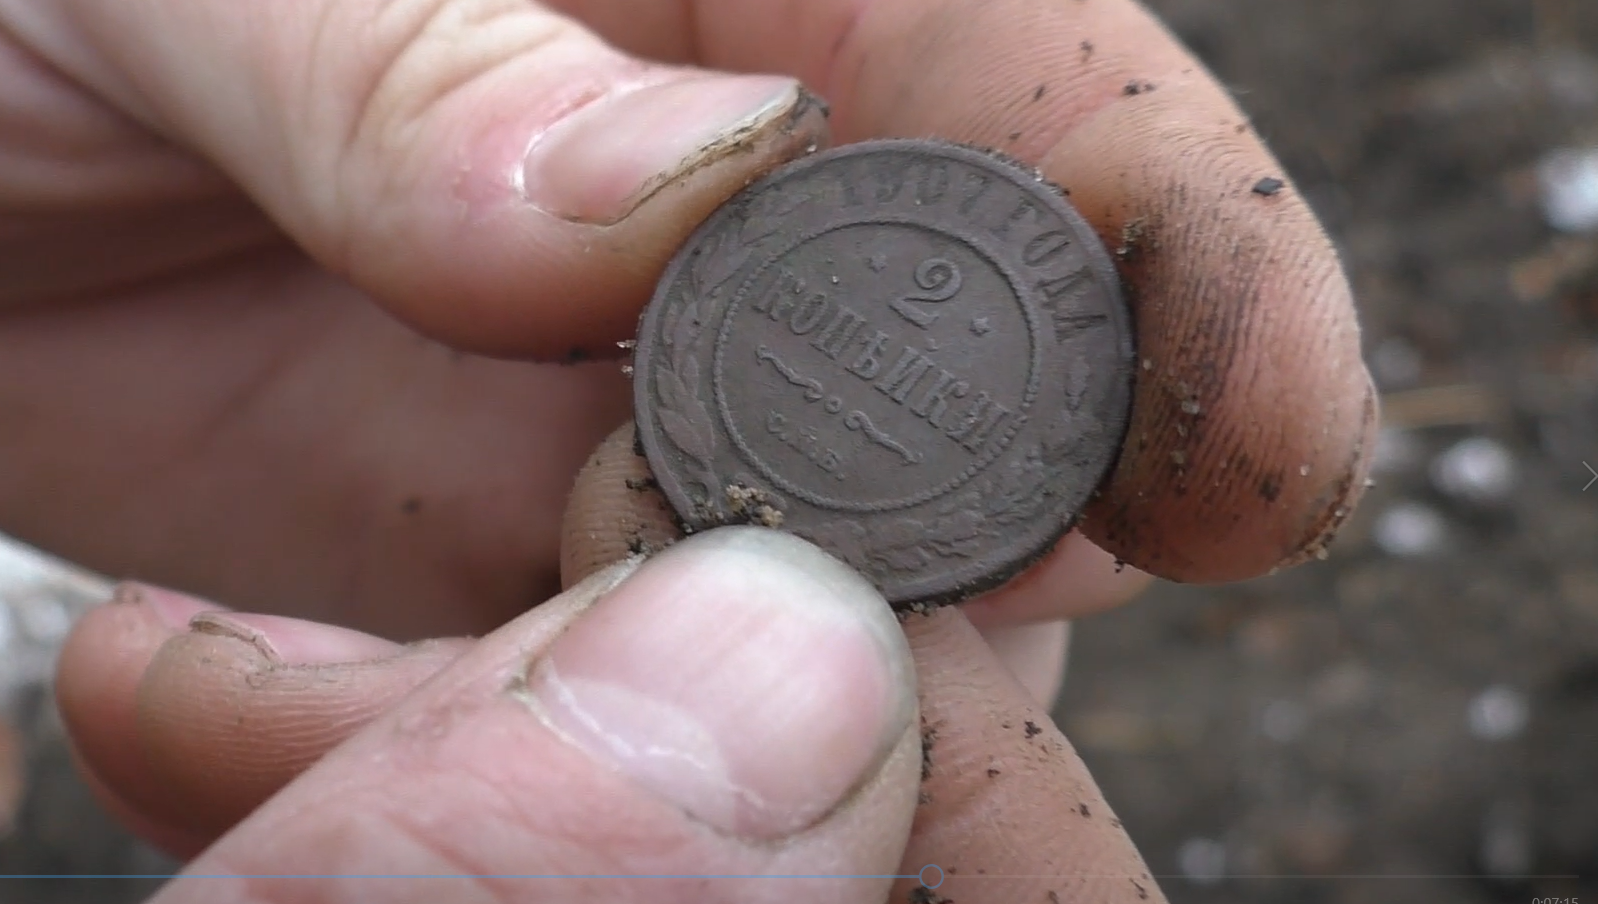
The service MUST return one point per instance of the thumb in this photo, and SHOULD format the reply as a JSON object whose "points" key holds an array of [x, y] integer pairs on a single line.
{"points": [[740, 706], [447, 156]]}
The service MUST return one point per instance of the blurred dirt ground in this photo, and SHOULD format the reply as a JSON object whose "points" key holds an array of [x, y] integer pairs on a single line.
{"points": [[1415, 719]]}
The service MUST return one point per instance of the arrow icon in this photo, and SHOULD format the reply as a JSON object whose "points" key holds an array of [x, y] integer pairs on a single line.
{"points": [[1594, 477]]}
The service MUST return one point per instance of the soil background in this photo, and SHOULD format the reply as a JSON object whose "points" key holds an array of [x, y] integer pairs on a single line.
{"points": [[1416, 718]]}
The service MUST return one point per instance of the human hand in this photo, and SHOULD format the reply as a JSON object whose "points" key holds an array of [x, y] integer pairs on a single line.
{"points": [[243, 249], [220, 220], [740, 707]]}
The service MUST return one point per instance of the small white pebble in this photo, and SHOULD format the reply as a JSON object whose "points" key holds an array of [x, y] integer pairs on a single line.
{"points": [[1569, 182], [1498, 713], [1410, 530], [1479, 470]]}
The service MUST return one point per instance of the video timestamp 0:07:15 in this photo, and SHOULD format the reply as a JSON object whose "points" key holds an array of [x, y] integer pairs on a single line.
{"points": [[1555, 901]]}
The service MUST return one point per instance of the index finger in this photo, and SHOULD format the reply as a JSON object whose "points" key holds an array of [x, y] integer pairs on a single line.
{"points": [[1253, 418]]}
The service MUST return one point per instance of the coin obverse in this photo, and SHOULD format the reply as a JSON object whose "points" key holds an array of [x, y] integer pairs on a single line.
{"points": [[913, 354]]}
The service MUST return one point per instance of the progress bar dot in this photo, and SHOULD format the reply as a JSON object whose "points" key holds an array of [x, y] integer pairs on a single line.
{"points": [[931, 875]]}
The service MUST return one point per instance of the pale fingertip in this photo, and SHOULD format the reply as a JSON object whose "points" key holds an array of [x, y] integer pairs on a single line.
{"points": [[743, 675]]}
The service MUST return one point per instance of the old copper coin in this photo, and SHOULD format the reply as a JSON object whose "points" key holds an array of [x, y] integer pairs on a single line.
{"points": [[914, 354]]}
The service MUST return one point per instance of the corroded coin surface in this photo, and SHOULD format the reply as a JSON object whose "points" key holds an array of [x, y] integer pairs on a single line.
{"points": [[914, 354]]}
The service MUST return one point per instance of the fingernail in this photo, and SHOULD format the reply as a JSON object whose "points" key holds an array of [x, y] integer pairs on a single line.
{"points": [[600, 163], [290, 641], [172, 609], [743, 675]]}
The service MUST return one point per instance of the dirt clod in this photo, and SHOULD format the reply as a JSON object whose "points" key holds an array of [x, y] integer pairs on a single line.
{"points": [[750, 505], [1132, 236]]}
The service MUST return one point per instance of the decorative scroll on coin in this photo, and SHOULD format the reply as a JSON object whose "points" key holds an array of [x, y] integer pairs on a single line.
{"points": [[854, 420]]}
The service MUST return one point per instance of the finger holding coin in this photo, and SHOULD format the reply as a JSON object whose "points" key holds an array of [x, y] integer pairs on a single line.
{"points": [[1253, 416]]}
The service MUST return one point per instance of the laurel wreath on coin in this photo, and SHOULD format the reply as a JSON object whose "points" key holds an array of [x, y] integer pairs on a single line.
{"points": [[964, 522], [684, 416]]}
